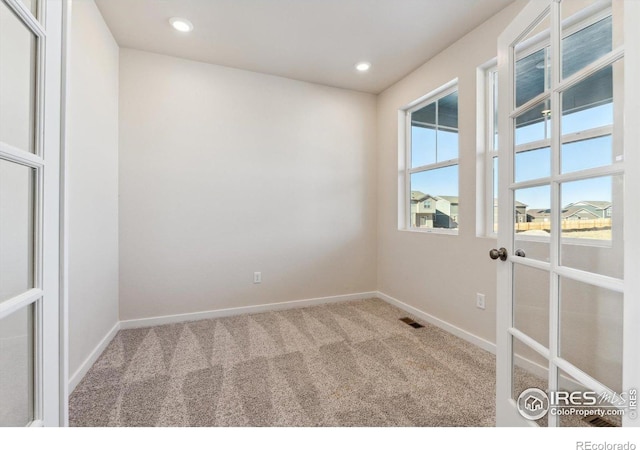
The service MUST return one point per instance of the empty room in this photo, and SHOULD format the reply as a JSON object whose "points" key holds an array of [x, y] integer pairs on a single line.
{"points": [[320, 213]]}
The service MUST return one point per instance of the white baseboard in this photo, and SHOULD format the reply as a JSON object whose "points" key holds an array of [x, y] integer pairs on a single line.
{"points": [[79, 374], [213, 314], [216, 313], [526, 364], [456, 331]]}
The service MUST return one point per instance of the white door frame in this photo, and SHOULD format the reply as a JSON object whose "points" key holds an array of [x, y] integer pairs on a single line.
{"points": [[48, 331], [506, 413]]}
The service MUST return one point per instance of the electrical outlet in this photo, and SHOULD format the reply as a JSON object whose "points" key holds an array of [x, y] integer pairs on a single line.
{"points": [[257, 277], [480, 301]]}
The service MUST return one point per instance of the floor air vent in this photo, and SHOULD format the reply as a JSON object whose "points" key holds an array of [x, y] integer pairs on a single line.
{"points": [[597, 421], [411, 322]]}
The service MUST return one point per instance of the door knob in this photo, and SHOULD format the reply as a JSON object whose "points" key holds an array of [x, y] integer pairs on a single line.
{"points": [[494, 253]]}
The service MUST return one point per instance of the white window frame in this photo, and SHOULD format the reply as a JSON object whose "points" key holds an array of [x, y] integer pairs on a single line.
{"points": [[486, 129], [406, 170]]}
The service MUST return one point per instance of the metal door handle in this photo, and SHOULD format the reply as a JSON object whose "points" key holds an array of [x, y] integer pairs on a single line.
{"points": [[494, 253]]}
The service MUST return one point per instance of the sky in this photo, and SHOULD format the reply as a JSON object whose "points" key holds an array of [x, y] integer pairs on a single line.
{"points": [[529, 165]]}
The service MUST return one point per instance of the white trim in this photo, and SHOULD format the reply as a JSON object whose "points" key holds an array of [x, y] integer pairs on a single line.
{"points": [[436, 165], [8, 307], [433, 320], [631, 360], [217, 313], [79, 374], [435, 95], [67, 6]]}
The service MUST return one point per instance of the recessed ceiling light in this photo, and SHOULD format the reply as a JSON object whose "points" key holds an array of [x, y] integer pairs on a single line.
{"points": [[181, 24], [363, 66]]}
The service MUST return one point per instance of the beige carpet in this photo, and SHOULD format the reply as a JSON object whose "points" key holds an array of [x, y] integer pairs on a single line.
{"points": [[343, 364]]}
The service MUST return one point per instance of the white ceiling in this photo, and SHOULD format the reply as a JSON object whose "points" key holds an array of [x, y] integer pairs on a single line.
{"points": [[312, 40]]}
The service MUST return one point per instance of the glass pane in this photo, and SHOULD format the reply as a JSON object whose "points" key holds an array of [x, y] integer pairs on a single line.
{"points": [[529, 371], [494, 107], [533, 221], [531, 302], [591, 331], [16, 368], [16, 229], [447, 145], [447, 137], [17, 81], [423, 145], [587, 154], [434, 198], [572, 415], [582, 46], [533, 63], [589, 104], [31, 6], [532, 164], [534, 124], [495, 194], [592, 237], [434, 132]]}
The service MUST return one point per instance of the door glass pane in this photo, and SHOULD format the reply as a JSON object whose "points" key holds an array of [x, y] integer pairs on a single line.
{"points": [[434, 198], [31, 6], [16, 368], [591, 320], [529, 370], [592, 235], [533, 221], [583, 43], [16, 229], [17, 81], [531, 302], [583, 416], [495, 194], [533, 63], [588, 104], [533, 124]]}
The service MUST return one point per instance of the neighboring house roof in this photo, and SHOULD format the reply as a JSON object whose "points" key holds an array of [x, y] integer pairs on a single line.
{"points": [[579, 212], [538, 212], [417, 195], [451, 199], [518, 204], [420, 196], [571, 211], [598, 204]]}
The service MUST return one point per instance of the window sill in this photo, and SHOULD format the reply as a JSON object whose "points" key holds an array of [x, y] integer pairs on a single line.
{"points": [[442, 231]]}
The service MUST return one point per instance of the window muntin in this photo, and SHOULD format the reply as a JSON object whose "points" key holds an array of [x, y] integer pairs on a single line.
{"points": [[432, 169], [587, 108]]}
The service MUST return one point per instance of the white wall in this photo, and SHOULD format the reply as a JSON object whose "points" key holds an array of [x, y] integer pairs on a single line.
{"points": [[224, 172], [409, 262], [92, 171]]}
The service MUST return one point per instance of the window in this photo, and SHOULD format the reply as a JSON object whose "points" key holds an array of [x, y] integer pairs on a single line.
{"points": [[431, 174], [587, 118]]}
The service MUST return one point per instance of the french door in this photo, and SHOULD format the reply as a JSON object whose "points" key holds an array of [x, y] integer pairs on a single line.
{"points": [[565, 242], [30, 110]]}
